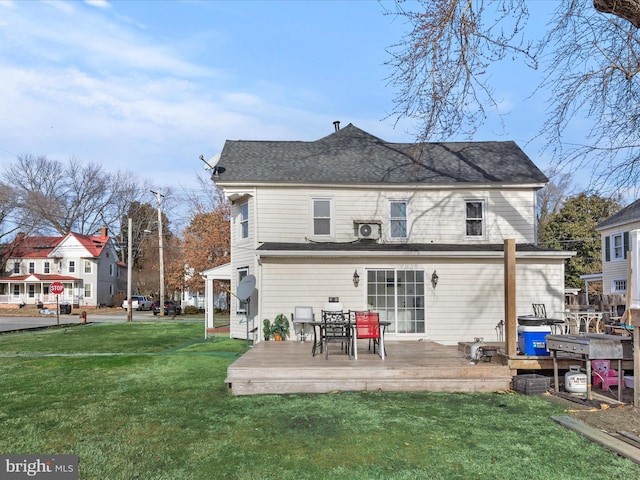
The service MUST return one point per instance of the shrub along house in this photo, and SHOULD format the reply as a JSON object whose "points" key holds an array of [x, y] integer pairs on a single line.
{"points": [[86, 265], [413, 231]]}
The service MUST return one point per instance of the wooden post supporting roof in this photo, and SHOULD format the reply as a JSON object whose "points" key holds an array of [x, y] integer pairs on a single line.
{"points": [[510, 325]]}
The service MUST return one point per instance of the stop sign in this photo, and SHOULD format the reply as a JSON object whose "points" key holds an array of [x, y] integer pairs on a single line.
{"points": [[56, 288]]}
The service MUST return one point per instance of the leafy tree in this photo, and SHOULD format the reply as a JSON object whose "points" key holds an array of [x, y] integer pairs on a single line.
{"points": [[207, 240], [572, 229], [442, 72]]}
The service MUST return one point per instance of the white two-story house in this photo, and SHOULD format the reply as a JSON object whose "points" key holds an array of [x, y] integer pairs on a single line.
{"points": [[413, 231], [614, 234], [86, 265]]}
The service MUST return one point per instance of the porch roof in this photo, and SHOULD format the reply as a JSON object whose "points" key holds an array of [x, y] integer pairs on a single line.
{"points": [[411, 249], [38, 277]]}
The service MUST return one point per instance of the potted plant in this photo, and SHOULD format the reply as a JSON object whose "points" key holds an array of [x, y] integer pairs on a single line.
{"points": [[266, 331], [279, 329]]}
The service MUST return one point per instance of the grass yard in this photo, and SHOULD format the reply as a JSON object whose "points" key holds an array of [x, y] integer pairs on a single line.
{"points": [[148, 401]]}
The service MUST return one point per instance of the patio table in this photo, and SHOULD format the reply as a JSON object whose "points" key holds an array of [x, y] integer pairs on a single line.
{"points": [[317, 342]]}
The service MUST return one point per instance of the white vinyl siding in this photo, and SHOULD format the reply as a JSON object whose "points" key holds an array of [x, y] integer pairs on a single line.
{"points": [[433, 216], [465, 283]]}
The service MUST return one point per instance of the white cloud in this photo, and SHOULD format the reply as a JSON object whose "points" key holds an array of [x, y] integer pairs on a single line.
{"points": [[98, 3]]}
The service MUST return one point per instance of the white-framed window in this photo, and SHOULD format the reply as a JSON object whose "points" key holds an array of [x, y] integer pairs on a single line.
{"points": [[87, 266], [16, 267], [398, 218], [32, 291], [619, 285], [87, 290], [475, 218], [242, 304], [72, 266], [47, 267], [244, 219], [32, 267], [322, 217], [111, 269], [111, 290], [16, 290], [617, 246]]}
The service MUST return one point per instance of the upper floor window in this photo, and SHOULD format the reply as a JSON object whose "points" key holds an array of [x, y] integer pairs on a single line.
{"points": [[16, 267], [616, 246], [47, 267], [87, 266], [72, 266], [32, 267], [111, 269], [322, 208], [398, 219], [474, 218], [244, 220]]}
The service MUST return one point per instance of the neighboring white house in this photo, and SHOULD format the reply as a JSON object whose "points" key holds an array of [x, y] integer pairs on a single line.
{"points": [[614, 233], [413, 231], [87, 266]]}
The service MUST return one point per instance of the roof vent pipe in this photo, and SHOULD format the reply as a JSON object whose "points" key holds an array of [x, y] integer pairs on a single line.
{"points": [[337, 125]]}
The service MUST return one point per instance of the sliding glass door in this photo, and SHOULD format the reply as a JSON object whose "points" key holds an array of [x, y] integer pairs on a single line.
{"points": [[399, 297]]}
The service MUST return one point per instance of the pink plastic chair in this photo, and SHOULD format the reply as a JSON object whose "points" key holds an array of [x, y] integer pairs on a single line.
{"points": [[602, 374]]}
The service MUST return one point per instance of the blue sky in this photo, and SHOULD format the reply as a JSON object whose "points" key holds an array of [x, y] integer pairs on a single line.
{"points": [[148, 86]]}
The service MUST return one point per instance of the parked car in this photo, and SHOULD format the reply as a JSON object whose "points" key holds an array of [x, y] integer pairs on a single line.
{"points": [[138, 302], [169, 308]]}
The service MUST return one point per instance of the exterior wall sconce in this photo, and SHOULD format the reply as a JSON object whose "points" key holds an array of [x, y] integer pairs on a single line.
{"points": [[356, 279], [434, 279]]}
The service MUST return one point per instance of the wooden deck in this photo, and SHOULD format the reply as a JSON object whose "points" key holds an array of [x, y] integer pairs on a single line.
{"points": [[410, 366]]}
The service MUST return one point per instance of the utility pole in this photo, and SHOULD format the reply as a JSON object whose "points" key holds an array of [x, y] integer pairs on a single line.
{"points": [[160, 253], [129, 275]]}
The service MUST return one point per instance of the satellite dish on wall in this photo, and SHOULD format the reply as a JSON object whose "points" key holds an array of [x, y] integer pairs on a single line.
{"points": [[246, 287]]}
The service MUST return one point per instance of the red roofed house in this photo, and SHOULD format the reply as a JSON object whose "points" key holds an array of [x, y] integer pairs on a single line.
{"points": [[87, 266]]}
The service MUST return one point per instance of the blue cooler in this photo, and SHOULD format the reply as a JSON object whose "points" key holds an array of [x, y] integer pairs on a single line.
{"points": [[532, 341]]}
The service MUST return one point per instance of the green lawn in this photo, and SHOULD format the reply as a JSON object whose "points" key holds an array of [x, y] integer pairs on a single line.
{"points": [[152, 404]]}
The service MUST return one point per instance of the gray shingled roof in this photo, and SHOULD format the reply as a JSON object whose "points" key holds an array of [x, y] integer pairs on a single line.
{"points": [[351, 155], [630, 213]]}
